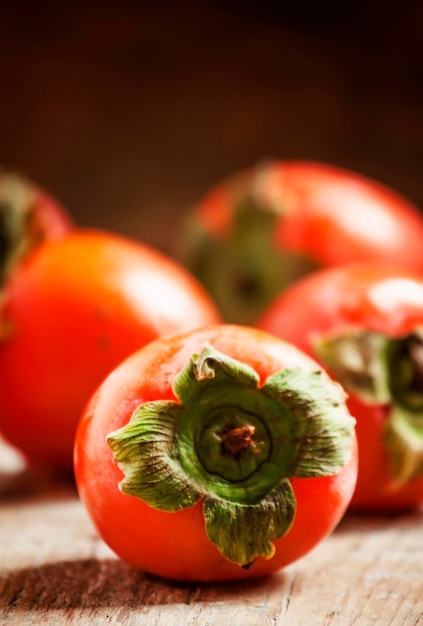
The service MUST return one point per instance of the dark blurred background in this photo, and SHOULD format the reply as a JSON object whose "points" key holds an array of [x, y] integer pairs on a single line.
{"points": [[128, 112]]}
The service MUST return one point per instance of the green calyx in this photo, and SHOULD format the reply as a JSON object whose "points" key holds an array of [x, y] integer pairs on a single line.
{"points": [[244, 269], [234, 446], [19, 231], [384, 371]]}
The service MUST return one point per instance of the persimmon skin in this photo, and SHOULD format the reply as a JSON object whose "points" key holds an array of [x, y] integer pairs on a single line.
{"points": [[331, 214], [175, 545], [72, 312], [380, 298]]}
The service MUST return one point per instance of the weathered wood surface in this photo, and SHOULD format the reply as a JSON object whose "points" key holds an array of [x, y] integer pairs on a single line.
{"points": [[54, 570]]}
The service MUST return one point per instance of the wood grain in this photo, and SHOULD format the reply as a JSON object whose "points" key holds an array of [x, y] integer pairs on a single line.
{"points": [[54, 570]]}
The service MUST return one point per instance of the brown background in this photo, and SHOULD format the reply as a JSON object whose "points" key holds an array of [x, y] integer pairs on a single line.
{"points": [[129, 112]]}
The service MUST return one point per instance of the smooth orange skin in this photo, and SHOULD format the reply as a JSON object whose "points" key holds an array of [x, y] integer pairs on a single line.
{"points": [[73, 311], [332, 215], [379, 298], [175, 545]]}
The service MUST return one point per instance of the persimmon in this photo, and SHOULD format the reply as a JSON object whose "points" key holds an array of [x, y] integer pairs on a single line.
{"points": [[263, 227], [217, 454], [363, 323], [69, 314]]}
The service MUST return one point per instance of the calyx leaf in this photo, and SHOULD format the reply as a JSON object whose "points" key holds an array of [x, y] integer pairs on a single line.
{"points": [[19, 231], [404, 442], [323, 427], [147, 454], [240, 527], [356, 360]]}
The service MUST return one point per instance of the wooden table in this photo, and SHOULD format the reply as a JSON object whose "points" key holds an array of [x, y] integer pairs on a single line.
{"points": [[55, 570]]}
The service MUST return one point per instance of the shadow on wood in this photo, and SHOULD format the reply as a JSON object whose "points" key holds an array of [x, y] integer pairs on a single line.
{"points": [[92, 584]]}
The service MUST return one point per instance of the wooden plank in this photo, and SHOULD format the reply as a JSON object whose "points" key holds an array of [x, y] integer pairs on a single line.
{"points": [[55, 570]]}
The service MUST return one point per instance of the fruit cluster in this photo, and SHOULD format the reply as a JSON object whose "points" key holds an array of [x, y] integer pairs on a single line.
{"points": [[222, 408]]}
